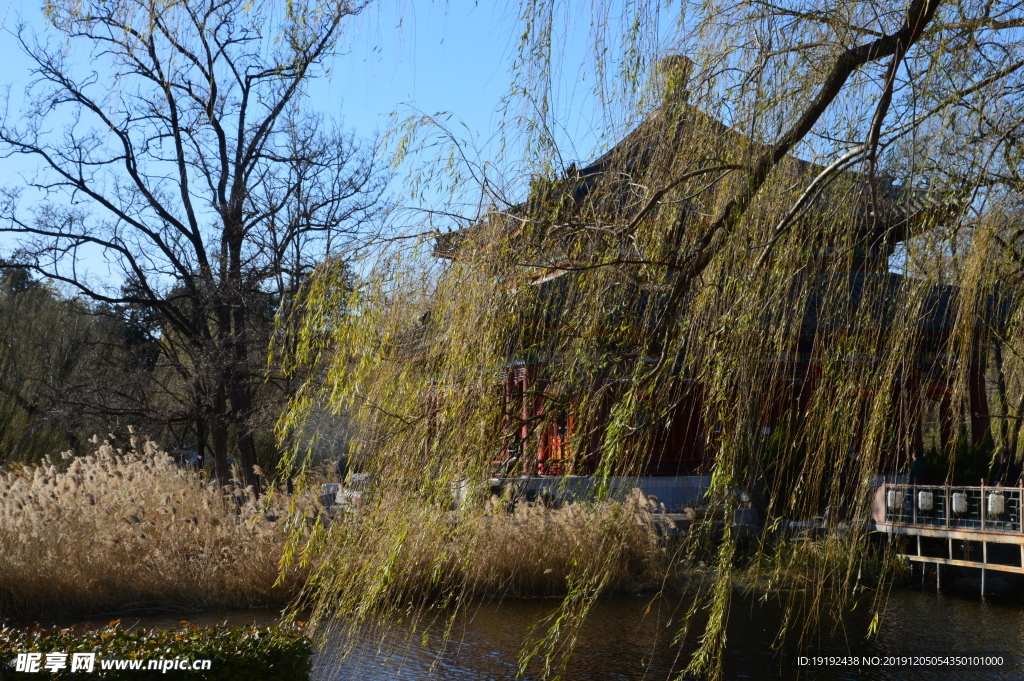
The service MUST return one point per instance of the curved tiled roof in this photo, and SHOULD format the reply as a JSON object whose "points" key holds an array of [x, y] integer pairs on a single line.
{"points": [[605, 189]]}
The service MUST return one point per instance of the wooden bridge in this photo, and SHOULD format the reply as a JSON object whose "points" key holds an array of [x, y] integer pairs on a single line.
{"points": [[950, 523]]}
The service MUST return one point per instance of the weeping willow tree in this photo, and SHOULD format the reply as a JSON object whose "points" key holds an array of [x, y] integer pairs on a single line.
{"points": [[809, 242]]}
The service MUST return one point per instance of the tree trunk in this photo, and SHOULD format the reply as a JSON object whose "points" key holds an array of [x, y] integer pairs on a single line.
{"points": [[219, 431], [200, 425], [236, 347], [241, 407]]}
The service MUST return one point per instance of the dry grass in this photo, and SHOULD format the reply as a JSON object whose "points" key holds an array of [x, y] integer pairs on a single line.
{"points": [[409, 555], [129, 531], [533, 551]]}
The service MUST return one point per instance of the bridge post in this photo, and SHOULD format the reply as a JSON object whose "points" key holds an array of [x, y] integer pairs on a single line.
{"points": [[946, 510], [924, 567], [982, 504], [984, 562]]}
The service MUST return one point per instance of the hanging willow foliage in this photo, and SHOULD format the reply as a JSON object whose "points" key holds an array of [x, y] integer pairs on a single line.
{"points": [[809, 246]]}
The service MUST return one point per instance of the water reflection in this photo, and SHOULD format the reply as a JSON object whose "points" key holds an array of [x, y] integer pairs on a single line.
{"points": [[620, 641], [630, 638]]}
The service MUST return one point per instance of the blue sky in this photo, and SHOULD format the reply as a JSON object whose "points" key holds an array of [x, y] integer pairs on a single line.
{"points": [[439, 58], [398, 56], [395, 57], [434, 57]]}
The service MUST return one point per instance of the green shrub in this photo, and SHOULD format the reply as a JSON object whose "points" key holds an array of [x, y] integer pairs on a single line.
{"points": [[235, 653]]}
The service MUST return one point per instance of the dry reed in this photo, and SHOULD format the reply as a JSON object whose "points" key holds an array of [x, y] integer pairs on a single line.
{"points": [[429, 553], [531, 551], [130, 531]]}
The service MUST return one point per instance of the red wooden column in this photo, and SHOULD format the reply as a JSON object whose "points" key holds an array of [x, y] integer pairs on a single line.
{"points": [[529, 463], [533, 404], [514, 399], [510, 399]]}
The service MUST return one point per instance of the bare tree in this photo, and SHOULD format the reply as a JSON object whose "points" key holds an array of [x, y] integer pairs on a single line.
{"points": [[183, 156]]}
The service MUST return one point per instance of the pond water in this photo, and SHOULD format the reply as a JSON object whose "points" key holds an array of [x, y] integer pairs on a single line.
{"points": [[625, 639], [621, 642]]}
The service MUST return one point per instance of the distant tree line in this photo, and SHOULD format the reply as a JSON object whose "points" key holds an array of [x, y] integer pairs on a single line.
{"points": [[72, 369]]}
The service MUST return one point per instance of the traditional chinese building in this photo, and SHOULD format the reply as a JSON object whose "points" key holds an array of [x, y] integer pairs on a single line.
{"points": [[882, 215]]}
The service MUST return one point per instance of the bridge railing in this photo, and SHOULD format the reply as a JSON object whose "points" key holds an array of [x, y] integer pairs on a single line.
{"points": [[982, 508]]}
